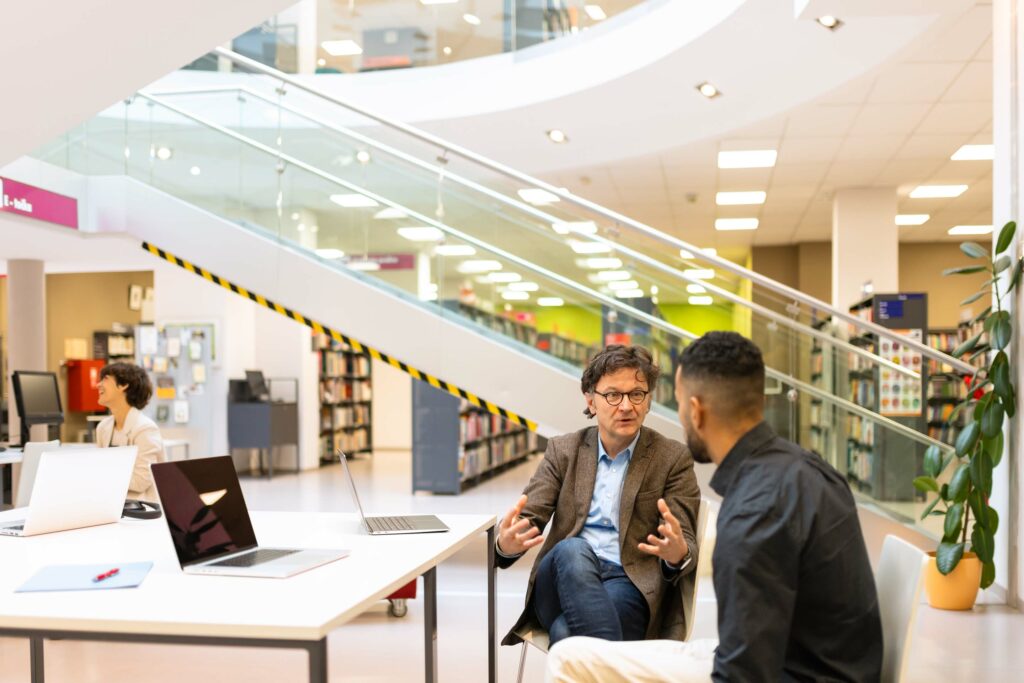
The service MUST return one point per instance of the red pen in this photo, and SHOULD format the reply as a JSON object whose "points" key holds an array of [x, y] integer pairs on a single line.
{"points": [[105, 575]]}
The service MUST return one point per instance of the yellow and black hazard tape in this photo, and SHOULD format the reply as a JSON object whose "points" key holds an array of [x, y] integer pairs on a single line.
{"points": [[320, 328]]}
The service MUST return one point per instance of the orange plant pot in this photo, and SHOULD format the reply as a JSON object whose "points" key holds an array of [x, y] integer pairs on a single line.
{"points": [[957, 590]]}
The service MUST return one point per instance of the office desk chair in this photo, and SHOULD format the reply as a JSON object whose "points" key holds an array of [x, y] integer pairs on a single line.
{"points": [[539, 638], [899, 580]]}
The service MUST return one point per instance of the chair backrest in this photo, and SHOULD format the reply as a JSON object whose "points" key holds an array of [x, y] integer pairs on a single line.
{"points": [[898, 580], [702, 527]]}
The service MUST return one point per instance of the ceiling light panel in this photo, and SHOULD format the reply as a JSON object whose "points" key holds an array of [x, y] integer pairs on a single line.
{"points": [[912, 218], [725, 224], [479, 266], [504, 277], [975, 153], [422, 233], [600, 263], [454, 250], [937, 191], [754, 158], [611, 275], [971, 230], [624, 284], [575, 227], [353, 201], [740, 198], [595, 12], [390, 212], [537, 196], [515, 296], [581, 247], [550, 301], [629, 293], [341, 48], [701, 300]]}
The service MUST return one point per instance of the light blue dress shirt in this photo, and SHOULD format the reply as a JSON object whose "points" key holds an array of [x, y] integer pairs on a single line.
{"points": [[601, 529]]}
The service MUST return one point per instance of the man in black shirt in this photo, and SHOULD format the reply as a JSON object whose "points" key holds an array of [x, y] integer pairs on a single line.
{"points": [[796, 597]]}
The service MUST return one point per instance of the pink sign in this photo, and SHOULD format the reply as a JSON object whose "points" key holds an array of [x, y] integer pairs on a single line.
{"points": [[35, 202], [383, 262]]}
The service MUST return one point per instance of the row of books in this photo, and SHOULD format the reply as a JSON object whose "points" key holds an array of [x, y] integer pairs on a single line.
{"points": [[475, 425], [335, 363], [862, 392], [860, 464], [861, 430], [336, 417], [344, 442], [487, 455], [333, 390]]}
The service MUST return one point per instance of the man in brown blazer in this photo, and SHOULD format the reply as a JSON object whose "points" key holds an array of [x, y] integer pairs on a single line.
{"points": [[620, 555]]}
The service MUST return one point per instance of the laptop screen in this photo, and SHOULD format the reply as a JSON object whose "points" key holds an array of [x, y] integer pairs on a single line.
{"points": [[204, 508]]}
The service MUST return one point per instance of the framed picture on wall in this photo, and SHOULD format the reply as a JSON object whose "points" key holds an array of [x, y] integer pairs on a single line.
{"points": [[135, 297]]}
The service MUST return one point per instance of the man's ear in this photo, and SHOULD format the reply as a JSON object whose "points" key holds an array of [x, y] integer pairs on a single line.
{"points": [[590, 412], [698, 412]]}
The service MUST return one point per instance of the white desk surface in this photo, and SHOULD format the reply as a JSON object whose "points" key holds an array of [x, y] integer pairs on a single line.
{"points": [[304, 607], [10, 456]]}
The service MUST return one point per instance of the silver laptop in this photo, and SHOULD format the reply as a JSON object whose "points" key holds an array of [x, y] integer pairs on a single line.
{"points": [[32, 452], [74, 489], [407, 524], [210, 526]]}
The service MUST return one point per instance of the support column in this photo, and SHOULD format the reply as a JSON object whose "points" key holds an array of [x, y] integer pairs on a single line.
{"points": [[26, 324], [865, 243]]}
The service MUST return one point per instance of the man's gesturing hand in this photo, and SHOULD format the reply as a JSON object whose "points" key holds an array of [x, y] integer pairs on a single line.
{"points": [[670, 546], [516, 536]]}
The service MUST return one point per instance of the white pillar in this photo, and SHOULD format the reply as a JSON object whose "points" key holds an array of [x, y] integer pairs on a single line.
{"points": [[865, 243], [1008, 484], [26, 316]]}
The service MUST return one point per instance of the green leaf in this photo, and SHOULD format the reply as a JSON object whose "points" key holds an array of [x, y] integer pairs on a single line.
{"points": [[958, 484], [974, 250], [982, 543], [933, 462], [944, 492], [1005, 236], [1002, 263], [930, 507], [967, 438], [954, 522], [981, 473], [926, 484], [992, 523], [1001, 333], [978, 507], [994, 448], [974, 297], [947, 557], [988, 574], [992, 419], [1001, 381], [1015, 276], [964, 270], [966, 346]]}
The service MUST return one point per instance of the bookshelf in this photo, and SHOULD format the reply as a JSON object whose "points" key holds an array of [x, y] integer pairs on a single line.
{"points": [[346, 400], [821, 418], [114, 346], [947, 386], [569, 350]]}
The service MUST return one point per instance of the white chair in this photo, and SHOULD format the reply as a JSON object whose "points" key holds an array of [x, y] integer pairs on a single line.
{"points": [[539, 638], [899, 579]]}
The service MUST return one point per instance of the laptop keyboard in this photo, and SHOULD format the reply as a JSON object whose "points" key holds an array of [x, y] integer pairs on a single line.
{"points": [[389, 524], [18, 526], [254, 558]]}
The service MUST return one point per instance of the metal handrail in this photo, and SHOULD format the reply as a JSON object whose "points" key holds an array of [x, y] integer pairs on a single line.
{"points": [[768, 283], [546, 217], [612, 302]]}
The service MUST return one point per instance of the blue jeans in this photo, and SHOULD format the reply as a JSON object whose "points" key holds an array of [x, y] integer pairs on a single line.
{"points": [[576, 593]]}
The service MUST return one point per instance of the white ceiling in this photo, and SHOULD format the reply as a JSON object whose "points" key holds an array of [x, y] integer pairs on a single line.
{"points": [[896, 126]]}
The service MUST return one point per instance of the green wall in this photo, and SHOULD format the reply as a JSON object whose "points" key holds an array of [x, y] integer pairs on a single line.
{"points": [[572, 322], [699, 319]]}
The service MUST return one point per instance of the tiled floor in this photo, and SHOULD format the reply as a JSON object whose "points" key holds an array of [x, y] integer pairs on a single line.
{"points": [[377, 648]]}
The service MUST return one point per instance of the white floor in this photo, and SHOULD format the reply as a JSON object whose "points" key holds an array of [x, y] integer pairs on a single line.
{"points": [[378, 648]]}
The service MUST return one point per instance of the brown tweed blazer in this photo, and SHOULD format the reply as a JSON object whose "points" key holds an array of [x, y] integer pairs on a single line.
{"points": [[563, 486]]}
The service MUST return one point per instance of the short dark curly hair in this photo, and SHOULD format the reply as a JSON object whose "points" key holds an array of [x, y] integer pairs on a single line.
{"points": [[731, 365], [612, 359], [139, 390]]}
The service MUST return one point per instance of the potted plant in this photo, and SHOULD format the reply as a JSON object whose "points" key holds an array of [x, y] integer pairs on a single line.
{"points": [[963, 563]]}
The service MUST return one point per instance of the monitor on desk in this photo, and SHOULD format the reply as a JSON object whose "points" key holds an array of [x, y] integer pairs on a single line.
{"points": [[37, 397], [257, 385]]}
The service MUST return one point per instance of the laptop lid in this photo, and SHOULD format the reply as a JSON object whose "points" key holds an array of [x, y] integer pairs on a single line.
{"points": [[204, 508], [352, 484], [31, 453], [79, 488]]}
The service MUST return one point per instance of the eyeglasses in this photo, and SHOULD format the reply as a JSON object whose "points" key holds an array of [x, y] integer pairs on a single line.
{"points": [[614, 398]]}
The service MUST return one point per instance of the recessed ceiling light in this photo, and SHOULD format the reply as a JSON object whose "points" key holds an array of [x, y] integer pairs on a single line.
{"points": [[314, 228], [595, 12], [624, 284], [654, 289], [479, 266], [975, 153], [523, 286], [454, 250], [937, 191], [321, 62], [341, 48], [537, 196], [504, 277], [557, 136], [195, 170], [629, 293], [699, 273], [912, 218], [164, 153], [515, 296], [611, 275], [330, 253], [687, 254], [550, 301], [471, 19], [736, 224], [438, 2], [364, 265], [353, 201], [739, 198], [421, 233], [447, 51], [696, 289], [600, 263], [701, 300], [753, 158], [589, 247], [390, 212], [127, 153], [830, 22], [708, 90], [577, 227], [301, 227], [971, 230], [295, 215], [363, 157]]}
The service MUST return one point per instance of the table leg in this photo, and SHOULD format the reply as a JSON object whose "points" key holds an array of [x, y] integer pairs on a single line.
{"points": [[35, 649], [430, 624], [492, 642], [318, 661]]}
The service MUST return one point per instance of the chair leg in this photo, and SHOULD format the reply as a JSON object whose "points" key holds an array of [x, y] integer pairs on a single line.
{"points": [[522, 664]]}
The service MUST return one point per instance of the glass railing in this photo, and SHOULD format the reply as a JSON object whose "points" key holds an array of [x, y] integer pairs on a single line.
{"points": [[329, 37]]}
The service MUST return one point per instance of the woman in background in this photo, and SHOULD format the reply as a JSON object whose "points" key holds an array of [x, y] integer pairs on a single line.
{"points": [[125, 389]]}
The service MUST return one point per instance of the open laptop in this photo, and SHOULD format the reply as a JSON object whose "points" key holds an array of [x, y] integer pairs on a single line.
{"points": [[406, 524], [76, 488], [32, 452], [210, 526]]}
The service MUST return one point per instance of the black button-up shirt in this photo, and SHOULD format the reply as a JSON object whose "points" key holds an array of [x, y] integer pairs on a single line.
{"points": [[796, 597]]}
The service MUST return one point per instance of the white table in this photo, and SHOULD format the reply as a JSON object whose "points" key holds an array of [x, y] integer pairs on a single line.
{"points": [[11, 456], [172, 607]]}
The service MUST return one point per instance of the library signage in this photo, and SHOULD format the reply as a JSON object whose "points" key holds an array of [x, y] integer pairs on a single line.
{"points": [[385, 261], [35, 202]]}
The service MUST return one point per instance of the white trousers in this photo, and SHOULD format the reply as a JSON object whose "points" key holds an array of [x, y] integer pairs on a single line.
{"points": [[593, 660]]}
